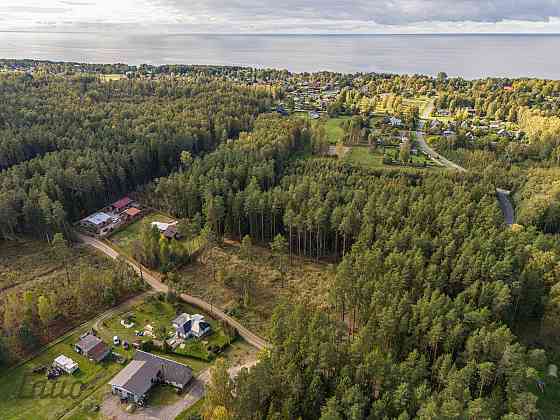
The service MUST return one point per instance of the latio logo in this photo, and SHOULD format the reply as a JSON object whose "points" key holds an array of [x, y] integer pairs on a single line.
{"points": [[32, 387]]}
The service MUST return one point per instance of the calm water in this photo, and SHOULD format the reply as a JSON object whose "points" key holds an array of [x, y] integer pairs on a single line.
{"points": [[470, 56]]}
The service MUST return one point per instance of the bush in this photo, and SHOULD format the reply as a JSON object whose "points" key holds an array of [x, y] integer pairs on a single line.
{"points": [[147, 346]]}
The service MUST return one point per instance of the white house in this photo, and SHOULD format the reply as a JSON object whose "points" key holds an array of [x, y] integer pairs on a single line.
{"points": [[66, 364], [395, 122], [187, 326], [162, 227]]}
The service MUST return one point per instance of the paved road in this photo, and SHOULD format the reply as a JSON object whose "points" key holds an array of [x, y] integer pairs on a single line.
{"points": [[154, 281], [505, 205], [441, 160], [503, 195]]}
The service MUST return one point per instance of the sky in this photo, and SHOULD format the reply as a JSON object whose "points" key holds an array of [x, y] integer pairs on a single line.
{"points": [[287, 16]]}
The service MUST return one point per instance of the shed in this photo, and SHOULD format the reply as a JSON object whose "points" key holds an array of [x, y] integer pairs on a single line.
{"points": [[66, 364], [92, 347]]}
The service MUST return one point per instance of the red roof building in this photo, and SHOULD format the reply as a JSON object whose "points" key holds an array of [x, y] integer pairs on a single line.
{"points": [[122, 203], [133, 212]]}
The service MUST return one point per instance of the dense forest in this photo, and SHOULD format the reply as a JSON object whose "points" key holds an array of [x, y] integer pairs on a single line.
{"points": [[433, 292], [429, 288], [68, 145]]}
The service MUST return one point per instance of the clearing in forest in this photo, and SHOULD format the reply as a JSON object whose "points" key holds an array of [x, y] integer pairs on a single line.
{"points": [[249, 289]]}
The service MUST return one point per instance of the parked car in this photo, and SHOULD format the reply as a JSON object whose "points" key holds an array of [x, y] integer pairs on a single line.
{"points": [[116, 340], [125, 345]]}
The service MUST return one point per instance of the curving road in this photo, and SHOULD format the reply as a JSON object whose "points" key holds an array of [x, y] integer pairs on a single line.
{"points": [[154, 281], [503, 195], [441, 160]]}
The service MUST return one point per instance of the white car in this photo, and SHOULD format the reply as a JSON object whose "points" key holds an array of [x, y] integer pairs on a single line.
{"points": [[116, 340]]}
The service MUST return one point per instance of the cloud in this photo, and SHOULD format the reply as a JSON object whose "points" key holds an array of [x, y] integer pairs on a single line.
{"points": [[32, 10], [385, 12], [288, 16], [79, 3]]}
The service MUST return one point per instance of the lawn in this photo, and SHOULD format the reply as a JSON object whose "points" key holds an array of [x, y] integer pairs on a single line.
{"points": [[549, 402], [112, 77], [163, 395], [26, 395], [421, 102], [530, 334], [125, 238], [361, 156], [334, 131], [159, 313], [89, 408], [23, 395]]}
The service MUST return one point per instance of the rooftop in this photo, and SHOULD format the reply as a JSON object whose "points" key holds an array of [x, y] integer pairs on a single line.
{"points": [[122, 203], [98, 218], [66, 362], [88, 342], [133, 211], [137, 377]]}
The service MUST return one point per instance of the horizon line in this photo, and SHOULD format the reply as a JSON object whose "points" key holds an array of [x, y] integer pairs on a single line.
{"points": [[282, 33]]}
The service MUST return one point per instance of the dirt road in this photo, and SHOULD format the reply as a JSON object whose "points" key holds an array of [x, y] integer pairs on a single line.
{"points": [[154, 281]]}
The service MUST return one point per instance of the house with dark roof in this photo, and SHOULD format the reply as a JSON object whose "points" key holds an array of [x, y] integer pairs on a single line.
{"points": [[146, 370], [171, 232], [92, 347], [187, 326]]}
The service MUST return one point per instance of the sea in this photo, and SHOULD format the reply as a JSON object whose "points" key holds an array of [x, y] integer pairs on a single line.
{"points": [[469, 56]]}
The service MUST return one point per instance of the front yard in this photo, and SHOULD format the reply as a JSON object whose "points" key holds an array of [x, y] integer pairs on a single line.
{"points": [[155, 315], [27, 395]]}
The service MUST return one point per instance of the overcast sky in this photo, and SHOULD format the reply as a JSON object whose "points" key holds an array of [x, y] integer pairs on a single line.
{"points": [[287, 16]]}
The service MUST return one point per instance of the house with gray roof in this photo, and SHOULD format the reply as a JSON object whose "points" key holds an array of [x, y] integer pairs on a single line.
{"points": [[92, 347], [135, 381]]}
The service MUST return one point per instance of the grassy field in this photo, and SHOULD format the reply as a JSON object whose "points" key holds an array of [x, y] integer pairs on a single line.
{"points": [[421, 102], [125, 238], [31, 396], [361, 156], [306, 282], [549, 402], [32, 261], [531, 335], [334, 131], [23, 397], [111, 77]]}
